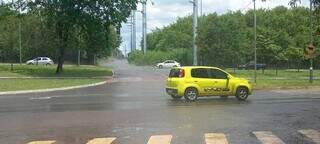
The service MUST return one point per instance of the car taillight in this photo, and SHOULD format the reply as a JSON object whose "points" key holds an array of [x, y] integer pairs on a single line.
{"points": [[181, 73]]}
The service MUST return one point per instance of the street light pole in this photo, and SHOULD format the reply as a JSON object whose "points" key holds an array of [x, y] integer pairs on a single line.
{"points": [[20, 43], [201, 6], [133, 30], [194, 31], [255, 42], [144, 25], [311, 42]]}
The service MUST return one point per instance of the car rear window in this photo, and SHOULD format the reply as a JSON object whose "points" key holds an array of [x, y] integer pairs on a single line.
{"points": [[174, 73]]}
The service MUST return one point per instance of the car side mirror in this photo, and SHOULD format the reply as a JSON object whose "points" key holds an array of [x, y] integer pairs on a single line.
{"points": [[228, 77]]}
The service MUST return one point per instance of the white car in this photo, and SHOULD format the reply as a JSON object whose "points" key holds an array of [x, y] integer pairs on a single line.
{"points": [[168, 64], [40, 61]]}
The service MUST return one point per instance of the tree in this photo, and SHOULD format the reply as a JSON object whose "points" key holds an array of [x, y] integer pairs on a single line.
{"points": [[63, 15], [295, 55]]}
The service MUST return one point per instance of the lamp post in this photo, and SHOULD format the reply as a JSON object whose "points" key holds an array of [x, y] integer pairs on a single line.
{"points": [[194, 31], [133, 28], [255, 41], [144, 25]]}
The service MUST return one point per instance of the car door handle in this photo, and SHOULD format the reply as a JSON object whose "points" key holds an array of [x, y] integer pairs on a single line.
{"points": [[215, 81], [195, 81]]}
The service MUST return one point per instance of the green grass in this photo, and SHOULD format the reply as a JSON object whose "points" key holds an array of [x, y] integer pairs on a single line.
{"points": [[84, 75], [288, 74], [49, 71], [284, 80], [32, 84]]}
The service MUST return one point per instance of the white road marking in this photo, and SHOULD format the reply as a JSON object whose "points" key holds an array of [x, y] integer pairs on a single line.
{"points": [[266, 137], [215, 138], [160, 139], [42, 142], [312, 134], [101, 141], [40, 98]]}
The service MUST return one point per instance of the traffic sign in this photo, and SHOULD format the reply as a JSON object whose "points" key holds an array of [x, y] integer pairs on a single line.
{"points": [[310, 51]]}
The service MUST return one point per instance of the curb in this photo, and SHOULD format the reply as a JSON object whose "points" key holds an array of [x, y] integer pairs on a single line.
{"points": [[58, 89]]}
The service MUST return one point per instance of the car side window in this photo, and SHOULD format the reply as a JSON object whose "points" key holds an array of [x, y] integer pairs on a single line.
{"points": [[217, 74], [199, 73], [44, 59], [38, 59]]}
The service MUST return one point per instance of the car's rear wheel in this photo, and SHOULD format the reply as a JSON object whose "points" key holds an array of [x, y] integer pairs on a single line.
{"points": [[242, 93], [191, 94], [176, 97]]}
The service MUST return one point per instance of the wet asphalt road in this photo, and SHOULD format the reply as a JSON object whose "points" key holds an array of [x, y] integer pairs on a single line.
{"points": [[134, 107]]}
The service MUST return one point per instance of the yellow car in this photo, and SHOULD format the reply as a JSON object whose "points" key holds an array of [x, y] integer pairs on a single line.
{"points": [[197, 81]]}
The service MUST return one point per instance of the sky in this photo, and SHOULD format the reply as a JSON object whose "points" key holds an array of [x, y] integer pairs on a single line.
{"points": [[164, 12]]}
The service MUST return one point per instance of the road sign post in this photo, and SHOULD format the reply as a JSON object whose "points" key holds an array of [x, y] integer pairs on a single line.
{"points": [[310, 53]]}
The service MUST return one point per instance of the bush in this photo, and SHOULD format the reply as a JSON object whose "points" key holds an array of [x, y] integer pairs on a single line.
{"points": [[153, 57]]}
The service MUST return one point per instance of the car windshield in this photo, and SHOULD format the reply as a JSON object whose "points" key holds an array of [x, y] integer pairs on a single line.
{"points": [[159, 71]]}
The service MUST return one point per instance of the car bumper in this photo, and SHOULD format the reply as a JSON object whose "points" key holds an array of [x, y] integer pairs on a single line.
{"points": [[171, 91]]}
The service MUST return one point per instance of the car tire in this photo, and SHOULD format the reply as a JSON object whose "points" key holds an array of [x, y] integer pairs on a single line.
{"points": [[242, 93], [160, 66], [48, 64], [191, 94], [176, 97]]}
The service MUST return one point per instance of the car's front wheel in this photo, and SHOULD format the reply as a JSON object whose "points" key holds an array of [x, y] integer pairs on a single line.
{"points": [[242, 93], [191, 94], [160, 66]]}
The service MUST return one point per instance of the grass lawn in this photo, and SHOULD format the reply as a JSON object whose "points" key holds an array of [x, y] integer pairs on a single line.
{"points": [[49, 71], [285, 79], [87, 75], [33, 84]]}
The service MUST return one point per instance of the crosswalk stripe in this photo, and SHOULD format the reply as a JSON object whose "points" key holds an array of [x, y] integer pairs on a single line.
{"points": [[215, 138], [101, 141], [160, 139], [42, 142], [312, 134], [266, 137]]}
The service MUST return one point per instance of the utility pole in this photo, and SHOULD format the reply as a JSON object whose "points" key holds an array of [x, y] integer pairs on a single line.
{"points": [[144, 25], [194, 31], [255, 42], [20, 43], [125, 51], [311, 41], [133, 30], [201, 7]]}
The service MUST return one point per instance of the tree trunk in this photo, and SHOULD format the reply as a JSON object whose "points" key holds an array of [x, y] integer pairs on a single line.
{"points": [[63, 36], [277, 69], [60, 61]]}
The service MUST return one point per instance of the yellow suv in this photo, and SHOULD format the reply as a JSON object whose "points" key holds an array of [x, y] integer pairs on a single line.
{"points": [[196, 81]]}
